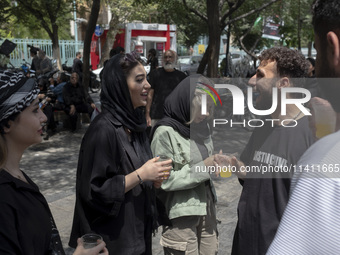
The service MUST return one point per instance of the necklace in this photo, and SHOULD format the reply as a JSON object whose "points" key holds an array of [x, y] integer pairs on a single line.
{"points": [[15, 175]]}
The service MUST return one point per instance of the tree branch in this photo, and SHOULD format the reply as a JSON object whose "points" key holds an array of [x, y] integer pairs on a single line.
{"points": [[250, 53], [39, 16], [232, 8], [252, 12], [202, 16]]}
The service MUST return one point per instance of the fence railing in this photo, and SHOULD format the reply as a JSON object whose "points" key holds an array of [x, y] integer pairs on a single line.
{"points": [[22, 53]]}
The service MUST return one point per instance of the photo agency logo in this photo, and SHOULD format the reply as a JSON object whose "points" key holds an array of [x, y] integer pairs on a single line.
{"points": [[239, 104], [204, 97]]}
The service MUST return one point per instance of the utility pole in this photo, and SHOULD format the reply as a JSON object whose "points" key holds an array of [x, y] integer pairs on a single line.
{"points": [[75, 24]]}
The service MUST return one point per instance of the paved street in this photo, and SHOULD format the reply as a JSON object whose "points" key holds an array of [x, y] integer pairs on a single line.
{"points": [[52, 165]]}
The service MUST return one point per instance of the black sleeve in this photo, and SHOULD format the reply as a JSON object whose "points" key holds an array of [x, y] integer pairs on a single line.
{"points": [[32, 65], [9, 241], [66, 96], [102, 184]]}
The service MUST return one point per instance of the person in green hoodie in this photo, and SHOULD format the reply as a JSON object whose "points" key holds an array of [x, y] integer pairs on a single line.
{"points": [[188, 194]]}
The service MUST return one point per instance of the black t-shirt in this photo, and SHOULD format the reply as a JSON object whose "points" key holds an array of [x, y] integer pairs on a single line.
{"points": [[265, 196], [163, 83], [77, 66], [153, 63]]}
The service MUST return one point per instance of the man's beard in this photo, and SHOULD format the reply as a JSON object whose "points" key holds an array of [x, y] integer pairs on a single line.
{"points": [[265, 101], [169, 66]]}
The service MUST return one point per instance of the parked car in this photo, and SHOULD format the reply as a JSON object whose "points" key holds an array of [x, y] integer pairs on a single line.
{"points": [[146, 66], [189, 64], [242, 64]]}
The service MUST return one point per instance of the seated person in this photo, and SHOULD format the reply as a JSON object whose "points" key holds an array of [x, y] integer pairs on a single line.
{"points": [[47, 107], [56, 88], [76, 100]]}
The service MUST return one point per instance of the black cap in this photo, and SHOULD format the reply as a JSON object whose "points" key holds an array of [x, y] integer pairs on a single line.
{"points": [[7, 47]]}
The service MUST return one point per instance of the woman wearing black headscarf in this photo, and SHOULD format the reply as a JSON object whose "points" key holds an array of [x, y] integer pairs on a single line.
{"points": [[188, 194], [26, 223], [114, 191]]}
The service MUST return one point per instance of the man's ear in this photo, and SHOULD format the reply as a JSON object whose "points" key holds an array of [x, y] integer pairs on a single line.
{"points": [[334, 44], [283, 83]]}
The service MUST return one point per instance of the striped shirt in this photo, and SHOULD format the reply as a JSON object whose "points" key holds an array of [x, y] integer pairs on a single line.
{"points": [[311, 222]]}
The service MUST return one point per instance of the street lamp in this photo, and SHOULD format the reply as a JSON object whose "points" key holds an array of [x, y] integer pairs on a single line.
{"points": [[75, 24]]}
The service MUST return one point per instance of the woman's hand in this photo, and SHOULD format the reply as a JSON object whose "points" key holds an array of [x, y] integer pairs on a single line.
{"points": [[154, 171], [99, 249], [148, 120], [157, 184], [209, 161]]}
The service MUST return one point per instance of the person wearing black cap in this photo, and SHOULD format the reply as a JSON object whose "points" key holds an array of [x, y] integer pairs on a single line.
{"points": [[27, 225]]}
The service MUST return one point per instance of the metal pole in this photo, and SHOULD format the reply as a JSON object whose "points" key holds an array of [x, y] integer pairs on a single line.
{"points": [[75, 24]]}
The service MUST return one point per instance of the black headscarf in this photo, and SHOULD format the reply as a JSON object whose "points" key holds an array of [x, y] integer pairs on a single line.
{"points": [[177, 111], [115, 98]]}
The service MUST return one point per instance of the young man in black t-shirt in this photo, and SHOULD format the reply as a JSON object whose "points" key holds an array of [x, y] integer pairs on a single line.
{"points": [[267, 163]]}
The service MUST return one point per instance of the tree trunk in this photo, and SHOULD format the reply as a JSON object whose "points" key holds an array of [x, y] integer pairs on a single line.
{"points": [[110, 39], [310, 45], [299, 27], [204, 61], [213, 13], [87, 42], [55, 46]]}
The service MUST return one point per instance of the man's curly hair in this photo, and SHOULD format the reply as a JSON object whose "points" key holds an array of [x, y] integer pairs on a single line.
{"points": [[290, 63]]}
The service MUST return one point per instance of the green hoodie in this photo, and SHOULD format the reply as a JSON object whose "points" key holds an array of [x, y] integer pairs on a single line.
{"points": [[184, 193]]}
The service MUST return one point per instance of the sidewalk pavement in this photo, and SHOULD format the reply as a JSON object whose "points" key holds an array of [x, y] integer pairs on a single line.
{"points": [[53, 163]]}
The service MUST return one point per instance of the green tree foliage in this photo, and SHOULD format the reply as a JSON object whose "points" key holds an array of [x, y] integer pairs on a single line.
{"points": [[297, 28], [218, 16], [294, 18], [47, 15], [247, 32], [189, 26]]}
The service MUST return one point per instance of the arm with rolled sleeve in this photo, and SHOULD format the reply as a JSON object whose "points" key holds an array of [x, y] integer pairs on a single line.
{"points": [[183, 176]]}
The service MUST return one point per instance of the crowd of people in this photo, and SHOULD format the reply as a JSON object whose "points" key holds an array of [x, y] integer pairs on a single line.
{"points": [[125, 191]]}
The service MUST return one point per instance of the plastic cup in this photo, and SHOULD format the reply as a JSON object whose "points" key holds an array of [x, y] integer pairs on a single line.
{"points": [[164, 158], [91, 240], [225, 172], [324, 117]]}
